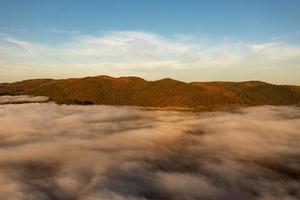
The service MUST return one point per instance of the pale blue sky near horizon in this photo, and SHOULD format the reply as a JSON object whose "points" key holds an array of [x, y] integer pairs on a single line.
{"points": [[187, 40]]}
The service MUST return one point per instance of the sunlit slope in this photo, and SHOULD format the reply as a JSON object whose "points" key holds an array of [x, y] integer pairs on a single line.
{"points": [[260, 93], [165, 92]]}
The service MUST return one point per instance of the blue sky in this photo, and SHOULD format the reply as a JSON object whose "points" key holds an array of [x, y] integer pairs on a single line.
{"points": [[187, 40]]}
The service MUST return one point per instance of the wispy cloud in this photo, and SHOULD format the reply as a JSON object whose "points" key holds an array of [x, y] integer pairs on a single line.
{"points": [[146, 52], [29, 47]]}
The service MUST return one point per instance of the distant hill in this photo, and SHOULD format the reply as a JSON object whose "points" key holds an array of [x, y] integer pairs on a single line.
{"points": [[161, 93]]}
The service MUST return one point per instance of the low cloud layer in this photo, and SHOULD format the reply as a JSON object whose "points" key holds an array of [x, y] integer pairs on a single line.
{"points": [[50, 151], [22, 99]]}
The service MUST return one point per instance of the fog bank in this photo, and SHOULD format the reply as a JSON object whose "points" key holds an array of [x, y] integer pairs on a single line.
{"points": [[50, 151], [7, 99]]}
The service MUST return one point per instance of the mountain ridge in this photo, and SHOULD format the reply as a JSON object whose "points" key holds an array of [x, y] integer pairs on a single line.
{"points": [[167, 92]]}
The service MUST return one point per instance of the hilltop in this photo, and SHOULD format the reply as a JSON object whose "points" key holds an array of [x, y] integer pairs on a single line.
{"points": [[166, 92]]}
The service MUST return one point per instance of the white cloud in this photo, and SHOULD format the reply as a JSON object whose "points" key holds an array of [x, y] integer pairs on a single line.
{"points": [[146, 52]]}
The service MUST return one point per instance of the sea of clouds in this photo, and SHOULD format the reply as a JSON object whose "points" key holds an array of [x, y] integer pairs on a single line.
{"points": [[64, 152]]}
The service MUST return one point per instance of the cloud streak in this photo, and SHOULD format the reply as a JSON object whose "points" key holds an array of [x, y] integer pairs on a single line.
{"points": [[143, 52], [22, 99], [127, 153]]}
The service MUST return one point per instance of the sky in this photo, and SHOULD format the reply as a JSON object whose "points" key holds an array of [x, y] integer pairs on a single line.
{"points": [[185, 40]]}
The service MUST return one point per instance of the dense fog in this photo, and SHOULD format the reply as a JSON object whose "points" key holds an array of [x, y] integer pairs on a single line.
{"points": [[61, 152]]}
